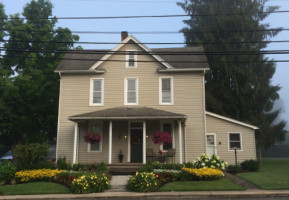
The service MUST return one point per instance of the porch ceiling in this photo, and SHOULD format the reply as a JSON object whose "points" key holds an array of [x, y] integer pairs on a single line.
{"points": [[128, 113]]}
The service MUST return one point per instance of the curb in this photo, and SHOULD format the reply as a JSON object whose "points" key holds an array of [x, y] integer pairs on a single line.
{"points": [[160, 195]]}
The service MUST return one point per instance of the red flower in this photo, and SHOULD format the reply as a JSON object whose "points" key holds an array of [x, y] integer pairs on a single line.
{"points": [[162, 137], [160, 152], [92, 137]]}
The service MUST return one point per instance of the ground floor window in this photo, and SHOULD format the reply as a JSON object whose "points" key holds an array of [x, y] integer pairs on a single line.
{"points": [[168, 127], [96, 127], [235, 141]]}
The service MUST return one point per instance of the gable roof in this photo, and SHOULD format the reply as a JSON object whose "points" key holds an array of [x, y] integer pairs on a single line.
{"points": [[128, 113], [89, 61], [231, 120]]}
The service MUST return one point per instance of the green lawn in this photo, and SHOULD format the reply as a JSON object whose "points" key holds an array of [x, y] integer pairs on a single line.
{"points": [[222, 184], [273, 174], [34, 188]]}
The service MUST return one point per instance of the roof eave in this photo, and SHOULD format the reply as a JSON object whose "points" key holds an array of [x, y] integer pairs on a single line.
{"points": [[184, 70], [128, 117], [80, 71]]}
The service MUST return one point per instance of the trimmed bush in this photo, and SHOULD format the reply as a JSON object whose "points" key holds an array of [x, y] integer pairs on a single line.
{"points": [[36, 175], [214, 162], [250, 165], [102, 167], [233, 169], [62, 164], [7, 172], [143, 182], [204, 174], [90, 184], [150, 167]]}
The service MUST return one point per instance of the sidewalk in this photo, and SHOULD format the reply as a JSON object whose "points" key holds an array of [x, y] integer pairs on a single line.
{"points": [[159, 195]]}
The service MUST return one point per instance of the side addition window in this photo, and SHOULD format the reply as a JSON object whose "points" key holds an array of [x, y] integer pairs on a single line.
{"points": [[131, 91], [166, 90], [235, 141], [96, 92], [131, 58]]}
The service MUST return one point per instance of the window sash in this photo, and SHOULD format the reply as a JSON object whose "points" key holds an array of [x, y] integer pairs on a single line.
{"points": [[166, 84], [235, 141], [167, 127], [131, 91], [98, 128], [97, 92], [131, 58]]}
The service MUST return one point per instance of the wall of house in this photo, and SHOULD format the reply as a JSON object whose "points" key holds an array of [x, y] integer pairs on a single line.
{"points": [[222, 128], [188, 100]]}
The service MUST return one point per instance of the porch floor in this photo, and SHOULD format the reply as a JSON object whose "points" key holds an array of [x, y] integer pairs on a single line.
{"points": [[124, 168]]}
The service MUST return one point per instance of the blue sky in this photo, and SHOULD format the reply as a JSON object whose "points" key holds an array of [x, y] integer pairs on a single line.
{"points": [[89, 8]]}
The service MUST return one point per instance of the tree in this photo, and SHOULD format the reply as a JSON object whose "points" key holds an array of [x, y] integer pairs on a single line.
{"points": [[31, 88], [237, 85]]}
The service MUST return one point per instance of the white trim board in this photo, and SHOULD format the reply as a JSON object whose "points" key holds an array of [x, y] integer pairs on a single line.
{"points": [[232, 120]]}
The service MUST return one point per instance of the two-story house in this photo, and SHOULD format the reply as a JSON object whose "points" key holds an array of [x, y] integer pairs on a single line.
{"points": [[130, 92]]}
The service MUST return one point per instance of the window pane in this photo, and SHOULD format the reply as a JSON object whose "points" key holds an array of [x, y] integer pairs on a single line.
{"points": [[131, 54], [95, 147], [234, 137], [168, 128], [131, 62], [97, 85], [131, 84], [97, 97], [235, 144], [166, 97], [210, 140], [131, 97], [166, 84]]}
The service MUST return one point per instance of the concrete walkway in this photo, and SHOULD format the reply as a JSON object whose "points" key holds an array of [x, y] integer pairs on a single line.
{"points": [[118, 183], [254, 193]]}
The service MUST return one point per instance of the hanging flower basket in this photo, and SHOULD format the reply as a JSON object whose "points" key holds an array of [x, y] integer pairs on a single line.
{"points": [[92, 137], [162, 138]]}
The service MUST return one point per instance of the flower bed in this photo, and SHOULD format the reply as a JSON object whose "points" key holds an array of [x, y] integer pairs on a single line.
{"points": [[166, 175], [204, 174], [36, 175], [143, 182], [90, 184]]}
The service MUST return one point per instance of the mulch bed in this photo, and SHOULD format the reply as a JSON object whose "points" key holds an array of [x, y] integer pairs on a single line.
{"points": [[241, 182]]}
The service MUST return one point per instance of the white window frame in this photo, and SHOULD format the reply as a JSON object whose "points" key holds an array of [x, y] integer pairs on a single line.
{"points": [[161, 93], [172, 134], [127, 59], [91, 123], [241, 143], [215, 141], [91, 92], [126, 90]]}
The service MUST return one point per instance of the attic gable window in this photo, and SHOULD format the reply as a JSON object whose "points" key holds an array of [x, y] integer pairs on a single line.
{"points": [[166, 91], [131, 91], [96, 92], [131, 58]]}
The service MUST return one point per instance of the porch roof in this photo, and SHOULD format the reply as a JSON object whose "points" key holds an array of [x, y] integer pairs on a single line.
{"points": [[128, 113]]}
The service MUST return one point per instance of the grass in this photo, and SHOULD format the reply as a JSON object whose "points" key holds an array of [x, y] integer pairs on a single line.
{"points": [[273, 174], [34, 188], [222, 184]]}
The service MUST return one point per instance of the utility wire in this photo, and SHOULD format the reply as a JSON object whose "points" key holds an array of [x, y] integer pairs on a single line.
{"points": [[179, 53], [152, 61], [164, 43], [151, 16]]}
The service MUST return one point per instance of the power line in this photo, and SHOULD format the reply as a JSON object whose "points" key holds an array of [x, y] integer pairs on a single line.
{"points": [[151, 16], [160, 43], [154, 61], [160, 53]]}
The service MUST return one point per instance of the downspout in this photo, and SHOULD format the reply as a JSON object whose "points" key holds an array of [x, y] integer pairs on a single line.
{"points": [[185, 144]]}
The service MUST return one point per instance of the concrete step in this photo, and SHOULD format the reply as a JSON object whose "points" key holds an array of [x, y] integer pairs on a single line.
{"points": [[118, 183]]}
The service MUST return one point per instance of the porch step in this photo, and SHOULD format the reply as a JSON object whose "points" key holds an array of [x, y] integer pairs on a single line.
{"points": [[118, 183], [124, 168]]}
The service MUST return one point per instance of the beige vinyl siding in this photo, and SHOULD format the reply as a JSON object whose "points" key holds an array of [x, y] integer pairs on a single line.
{"points": [[188, 100], [222, 128]]}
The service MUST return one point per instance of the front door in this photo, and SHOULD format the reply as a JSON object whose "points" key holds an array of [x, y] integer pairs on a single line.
{"points": [[136, 145]]}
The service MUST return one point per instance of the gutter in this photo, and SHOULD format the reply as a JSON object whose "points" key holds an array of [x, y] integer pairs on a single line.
{"points": [[184, 70], [80, 71]]}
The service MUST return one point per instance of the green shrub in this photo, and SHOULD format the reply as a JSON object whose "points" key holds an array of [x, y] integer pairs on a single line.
{"points": [[149, 166], [166, 175], [189, 165], [102, 167], [66, 178], [27, 156], [213, 162], [233, 169], [62, 164], [250, 165], [90, 184], [143, 182], [7, 172]]}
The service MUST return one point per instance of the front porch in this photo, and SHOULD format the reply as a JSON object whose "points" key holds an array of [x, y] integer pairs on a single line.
{"points": [[128, 132]]}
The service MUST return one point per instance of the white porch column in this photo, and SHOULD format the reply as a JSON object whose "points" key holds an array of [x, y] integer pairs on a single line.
{"points": [[75, 142], [110, 142], [144, 142], [180, 143]]}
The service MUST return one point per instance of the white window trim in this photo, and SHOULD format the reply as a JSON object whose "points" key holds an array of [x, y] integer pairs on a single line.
{"points": [[100, 144], [91, 92], [215, 141], [160, 91], [173, 134], [125, 91], [127, 59], [241, 139]]}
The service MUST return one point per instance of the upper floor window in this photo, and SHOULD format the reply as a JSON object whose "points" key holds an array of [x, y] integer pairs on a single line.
{"points": [[131, 59], [131, 91], [235, 141], [166, 90], [96, 92]]}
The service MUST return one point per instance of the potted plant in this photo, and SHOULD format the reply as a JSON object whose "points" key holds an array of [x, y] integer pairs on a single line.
{"points": [[92, 137]]}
